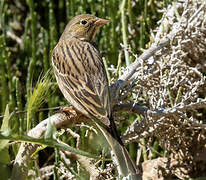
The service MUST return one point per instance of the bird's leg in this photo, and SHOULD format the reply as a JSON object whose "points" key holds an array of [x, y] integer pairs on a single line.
{"points": [[69, 110], [72, 112]]}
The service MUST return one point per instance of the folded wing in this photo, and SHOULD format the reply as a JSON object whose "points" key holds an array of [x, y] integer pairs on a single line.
{"points": [[82, 78]]}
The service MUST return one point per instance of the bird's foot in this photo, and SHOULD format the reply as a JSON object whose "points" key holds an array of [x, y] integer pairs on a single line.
{"points": [[67, 109]]}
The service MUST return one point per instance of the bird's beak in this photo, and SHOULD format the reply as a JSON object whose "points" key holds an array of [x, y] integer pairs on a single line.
{"points": [[100, 22]]}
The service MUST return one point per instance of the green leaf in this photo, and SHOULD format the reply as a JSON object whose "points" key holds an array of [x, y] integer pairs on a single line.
{"points": [[5, 123], [5, 128], [4, 156], [39, 148], [51, 143], [4, 171], [49, 134], [4, 153]]}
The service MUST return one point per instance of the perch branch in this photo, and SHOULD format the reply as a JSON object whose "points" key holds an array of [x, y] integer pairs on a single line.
{"points": [[132, 107]]}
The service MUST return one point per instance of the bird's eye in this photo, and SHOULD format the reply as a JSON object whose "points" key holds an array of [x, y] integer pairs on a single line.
{"points": [[83, 22]]}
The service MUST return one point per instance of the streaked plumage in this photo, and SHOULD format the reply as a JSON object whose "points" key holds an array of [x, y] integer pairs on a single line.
{"points": [[82, 78], [80, 71]]}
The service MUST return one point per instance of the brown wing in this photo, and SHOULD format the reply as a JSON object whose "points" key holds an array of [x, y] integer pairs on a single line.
{"points": [[81, 76]]}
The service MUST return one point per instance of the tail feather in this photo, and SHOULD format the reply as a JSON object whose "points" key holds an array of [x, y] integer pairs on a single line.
{"points": [[113, 131], [125, 165], [119, 153]]}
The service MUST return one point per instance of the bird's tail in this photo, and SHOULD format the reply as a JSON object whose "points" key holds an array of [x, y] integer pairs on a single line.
{"points": [[113, 131], [119, 154]]}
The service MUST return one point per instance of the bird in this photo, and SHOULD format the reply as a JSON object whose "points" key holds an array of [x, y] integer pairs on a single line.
{"points": [[81, 75], [80, 71]]}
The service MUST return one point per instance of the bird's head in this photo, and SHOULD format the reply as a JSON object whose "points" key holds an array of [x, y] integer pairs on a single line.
{"points": [[83, 27]]}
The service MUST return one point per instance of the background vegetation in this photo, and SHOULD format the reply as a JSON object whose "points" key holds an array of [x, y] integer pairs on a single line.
{"points": [[29, 31]]}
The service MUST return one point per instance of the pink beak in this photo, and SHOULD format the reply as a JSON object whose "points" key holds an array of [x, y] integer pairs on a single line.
{"points": [[100, 22]]}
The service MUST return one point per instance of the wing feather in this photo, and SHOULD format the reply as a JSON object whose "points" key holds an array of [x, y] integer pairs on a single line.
{"points": [[81, 76]]}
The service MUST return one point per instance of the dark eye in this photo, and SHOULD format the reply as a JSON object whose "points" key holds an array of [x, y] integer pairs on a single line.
{"points": [[83, 22]]}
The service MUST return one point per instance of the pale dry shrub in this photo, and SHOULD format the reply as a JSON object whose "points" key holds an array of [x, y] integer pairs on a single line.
{"points": [[172, 86]]}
